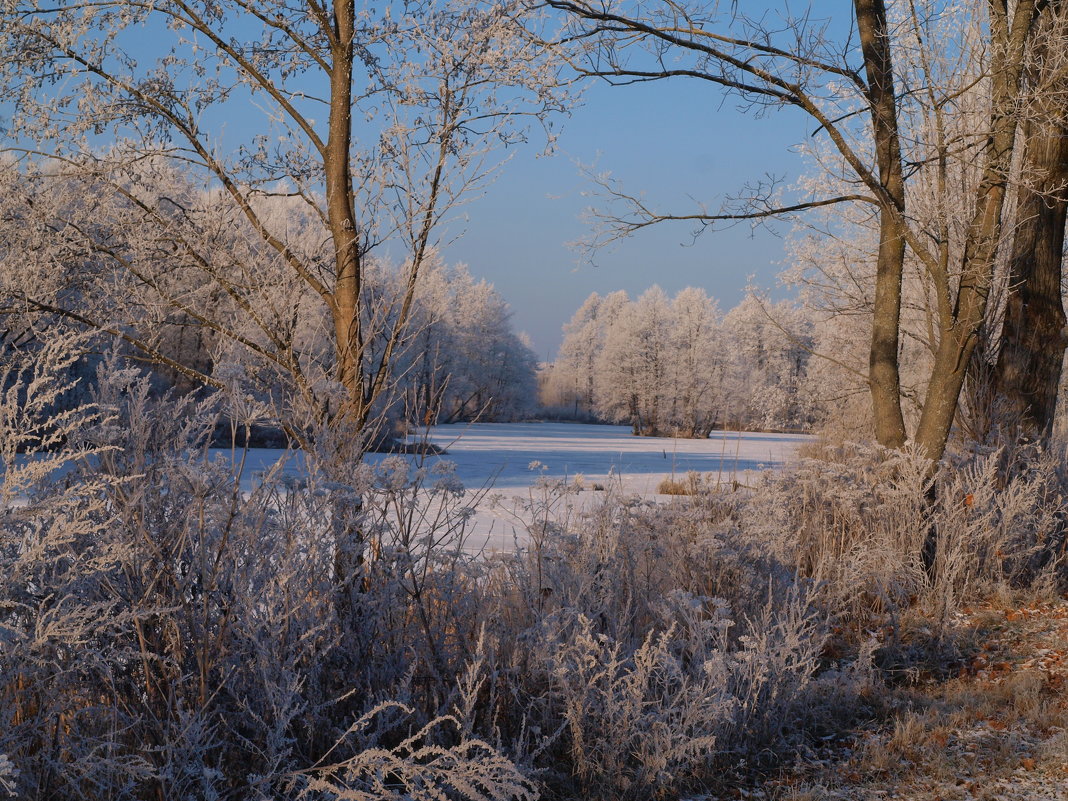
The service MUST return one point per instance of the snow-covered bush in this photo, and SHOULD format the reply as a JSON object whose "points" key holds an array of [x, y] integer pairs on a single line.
{"points": [[1000, 522], [418, 768], [168, 632], [320, 632], [636, 676]]}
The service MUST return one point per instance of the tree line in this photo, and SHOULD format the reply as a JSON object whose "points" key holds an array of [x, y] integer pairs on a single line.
{"points": [[679, 367]]}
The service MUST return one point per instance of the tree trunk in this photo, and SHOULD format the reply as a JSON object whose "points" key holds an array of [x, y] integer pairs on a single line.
{"points": [[959, 338], [884, 375], [341, 216], [960, 334], [1028, 373]]}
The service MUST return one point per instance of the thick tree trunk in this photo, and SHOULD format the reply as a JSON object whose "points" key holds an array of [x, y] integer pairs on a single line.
{"points": [[884, 375], [1009, 40], [1028, 373], [959, 338]]}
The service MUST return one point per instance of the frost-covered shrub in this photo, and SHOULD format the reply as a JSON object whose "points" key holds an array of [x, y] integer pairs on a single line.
{"points": [[1000, 523], [419, 767], [166, 631], [629, 678], [319, 631], [663, 717], [8, 774], [855, 525], [858, 521], [57, 621], [649, 721]]}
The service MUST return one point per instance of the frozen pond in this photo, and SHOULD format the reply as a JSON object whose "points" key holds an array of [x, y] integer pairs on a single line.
{"points": [[504, 452], [499, 456]]}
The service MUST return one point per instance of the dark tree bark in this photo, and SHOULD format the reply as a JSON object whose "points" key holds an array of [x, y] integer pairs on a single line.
{"points": [[1028, 373]]}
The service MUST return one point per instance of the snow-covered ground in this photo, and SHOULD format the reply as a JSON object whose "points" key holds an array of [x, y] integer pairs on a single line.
{"points": [[512, 456], [499, 464], [499, 456]]}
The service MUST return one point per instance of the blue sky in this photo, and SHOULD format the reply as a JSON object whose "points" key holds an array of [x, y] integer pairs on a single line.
{"points": [[677, 143]]}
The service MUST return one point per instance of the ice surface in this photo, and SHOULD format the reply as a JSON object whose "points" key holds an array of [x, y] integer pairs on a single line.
{"points": [[502, 453]]}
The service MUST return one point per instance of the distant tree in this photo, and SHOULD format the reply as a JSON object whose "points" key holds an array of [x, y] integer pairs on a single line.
{"points": [[675, 368], [573, 371], [495, 375], [697, 361], [430, 358], [632, 370], [768, 347], [464, 361], [617, 369], [575, 377]]}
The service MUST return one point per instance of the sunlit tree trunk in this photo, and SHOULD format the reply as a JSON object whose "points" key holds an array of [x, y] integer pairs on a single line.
{"points": [[884, 370], [1009, 38]]}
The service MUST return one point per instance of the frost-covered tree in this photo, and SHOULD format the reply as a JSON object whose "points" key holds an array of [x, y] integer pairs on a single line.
{"points": [[572, 376], [893, 97], [769, 350], [464, 361], [377, 120], [210, 320], [632, 371], [836, 262], [194, 290], [677, 368], [698, 363]]}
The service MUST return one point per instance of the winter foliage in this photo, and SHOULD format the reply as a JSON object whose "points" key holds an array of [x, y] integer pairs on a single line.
{"points": [[464, 362], [678, 367], [363, 129], [226, 311], [326, 635], [166, 633], [170, 630]]}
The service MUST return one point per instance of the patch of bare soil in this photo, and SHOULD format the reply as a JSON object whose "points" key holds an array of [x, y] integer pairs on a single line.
{"points": [[995, 726]]}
